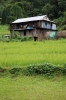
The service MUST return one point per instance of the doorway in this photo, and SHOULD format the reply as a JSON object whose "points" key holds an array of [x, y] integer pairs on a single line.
{"points": [[24, 32], [35, 38]]}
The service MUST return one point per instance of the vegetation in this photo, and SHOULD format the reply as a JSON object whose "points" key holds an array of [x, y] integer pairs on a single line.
{"points": [[4, 29], [45, 69], [18, 54], [24, 73], [32, 88], [10, 10]]}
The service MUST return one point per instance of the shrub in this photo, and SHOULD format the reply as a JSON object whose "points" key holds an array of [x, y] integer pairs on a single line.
{"points": [[24, 38], [45, 68], [64, 70], [29, 38], [64, 27], [2, 70], [16, 35], [14, 70], [6, 40], [30, 70]]}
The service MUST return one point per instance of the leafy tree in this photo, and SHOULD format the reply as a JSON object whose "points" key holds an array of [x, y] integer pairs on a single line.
{"points": [[13, 9], [4, 18], [11, 13], [47, 9]]}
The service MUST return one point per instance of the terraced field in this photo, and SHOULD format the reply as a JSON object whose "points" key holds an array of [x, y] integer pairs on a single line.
{"points": [[20, 54]]}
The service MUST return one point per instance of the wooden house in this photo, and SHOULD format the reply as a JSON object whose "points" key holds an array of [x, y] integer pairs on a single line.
{"points": [[38, 27]]}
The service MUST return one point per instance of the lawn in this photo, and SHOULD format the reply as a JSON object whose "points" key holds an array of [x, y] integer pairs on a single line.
{"points": [[19, 54], [32, 88]]}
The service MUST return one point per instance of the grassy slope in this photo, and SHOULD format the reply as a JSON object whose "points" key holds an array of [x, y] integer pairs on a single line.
{"points": [[32, 88], [15, 54], [4, 29]]}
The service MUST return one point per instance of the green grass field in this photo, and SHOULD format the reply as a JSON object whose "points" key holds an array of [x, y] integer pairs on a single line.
{"points": [[4, 29], [19, 54], [32, 88]]}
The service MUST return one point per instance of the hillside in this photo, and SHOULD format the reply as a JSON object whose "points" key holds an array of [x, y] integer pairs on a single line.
{"points": [[13, 9]]}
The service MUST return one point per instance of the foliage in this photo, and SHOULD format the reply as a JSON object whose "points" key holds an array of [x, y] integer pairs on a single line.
{"points": [[46, 68], [11, 10], [47, 9], [14, 72], [29, 38], [16, 35], [61, 21], [64, 69], [63, 27], [30, 52], [2, 70], [26, 38], [4, 29]]}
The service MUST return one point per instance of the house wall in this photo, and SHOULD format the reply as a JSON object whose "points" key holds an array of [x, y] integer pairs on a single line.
{"points": [[21, 33], [41, 34], [48, 25], [54, 26], [29, 33], [35, 33], [12, 33], [46, 34], [45, 24]]}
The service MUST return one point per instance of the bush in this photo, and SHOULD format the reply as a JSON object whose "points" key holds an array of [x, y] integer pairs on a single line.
{"points": [[24, 38], [29, 38], [45, 68], [14, 70], [16, 35], [64, 70], [6, 40], [64, 27], [2, 70], [29, 70]]}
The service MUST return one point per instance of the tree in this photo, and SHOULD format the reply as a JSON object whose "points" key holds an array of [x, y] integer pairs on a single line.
{"points": [[11, 13], [4, 18], [47, 9]]}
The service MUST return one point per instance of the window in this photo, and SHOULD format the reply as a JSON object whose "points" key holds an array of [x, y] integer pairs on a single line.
{"points": [[45, 23]]}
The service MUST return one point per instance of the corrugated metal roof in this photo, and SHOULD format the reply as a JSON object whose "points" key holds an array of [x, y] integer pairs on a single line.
{"points": [[36, 18]]}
